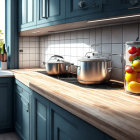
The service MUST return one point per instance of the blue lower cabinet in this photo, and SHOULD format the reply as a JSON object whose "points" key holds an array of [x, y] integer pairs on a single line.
{"points": [[6, 106], [40, 117], [65, 126], [37, 118], [22, 111]]}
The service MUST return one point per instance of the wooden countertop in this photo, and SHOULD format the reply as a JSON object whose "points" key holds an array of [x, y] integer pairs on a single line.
{"points": [[110, 110]]}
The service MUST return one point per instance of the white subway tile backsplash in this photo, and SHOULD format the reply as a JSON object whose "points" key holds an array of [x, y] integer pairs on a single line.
{"points": [[106, 48], [73, 35], [27, 58], [32, 57], [117, 74], [26, 44], [117, 48], [32, 44], [117, 61], [117, 34], [25, 39], [106, 35], [98, 33], [26, 50], [130, 32], [72, 45], [32, 50], [26, 64]]}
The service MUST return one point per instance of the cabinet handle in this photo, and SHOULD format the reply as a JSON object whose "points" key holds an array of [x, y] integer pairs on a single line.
{"points": [[44, 15], [27, 110]]}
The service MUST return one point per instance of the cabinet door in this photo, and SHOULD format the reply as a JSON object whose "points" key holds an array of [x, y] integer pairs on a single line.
{"points": [[65, 126], [49, 11], [27, 14], [90, 9], [22, 113], [5, 104], [121, 7], [40, 118]]}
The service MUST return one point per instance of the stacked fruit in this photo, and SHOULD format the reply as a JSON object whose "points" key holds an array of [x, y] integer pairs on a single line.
{"points": [[132, 75]]}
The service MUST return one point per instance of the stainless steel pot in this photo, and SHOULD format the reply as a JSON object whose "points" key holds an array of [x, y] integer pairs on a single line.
{"points": [[94, 70], [56, 65]]}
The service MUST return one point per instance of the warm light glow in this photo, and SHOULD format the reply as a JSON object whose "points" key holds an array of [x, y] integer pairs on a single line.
{"points": [[115, 18]]}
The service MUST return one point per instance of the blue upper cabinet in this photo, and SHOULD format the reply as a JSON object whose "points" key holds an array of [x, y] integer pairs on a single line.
{"points": [[43, 13], [50, 12], [120, 7], [27, 14], [77, 10]]}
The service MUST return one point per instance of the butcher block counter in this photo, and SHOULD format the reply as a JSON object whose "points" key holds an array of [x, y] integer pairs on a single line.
{"points": [[109, 109]]}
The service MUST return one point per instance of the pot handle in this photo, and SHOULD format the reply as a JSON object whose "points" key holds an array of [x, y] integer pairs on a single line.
{"points": [[109, 69], [59, 56], [67, 66], [78, 70]]}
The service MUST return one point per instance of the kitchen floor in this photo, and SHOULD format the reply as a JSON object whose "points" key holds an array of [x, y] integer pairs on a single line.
{"points": [[9, 136]]}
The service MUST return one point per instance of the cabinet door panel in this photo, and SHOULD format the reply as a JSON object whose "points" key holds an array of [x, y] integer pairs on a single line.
{"points": [[26, 14], [30, 10], [54, 11], [6, 109], [25, 119], [40, 119], [24, 11], [22, 112], [91, 7], [62, 129], [18, 112]]}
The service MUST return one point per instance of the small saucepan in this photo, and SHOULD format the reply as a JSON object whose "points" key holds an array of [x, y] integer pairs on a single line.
{"points": [[56, 65]]}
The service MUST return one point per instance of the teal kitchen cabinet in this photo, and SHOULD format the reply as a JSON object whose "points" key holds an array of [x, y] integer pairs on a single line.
{"points": [[22, 110], [50, 12], [120, 7], [37, 118], [26, 14], [40, 117], [97, 9], [77, 10], [6, 106], [65, 126]]}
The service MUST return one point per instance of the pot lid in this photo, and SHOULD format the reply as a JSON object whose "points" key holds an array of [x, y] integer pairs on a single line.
{"points": [[57, 59], [94, 57]]}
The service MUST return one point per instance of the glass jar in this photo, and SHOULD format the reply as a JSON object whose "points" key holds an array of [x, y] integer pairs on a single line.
{"points": [[132, 68]]}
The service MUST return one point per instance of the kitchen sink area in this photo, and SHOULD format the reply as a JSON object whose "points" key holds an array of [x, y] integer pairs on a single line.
{"points": [[70, 70]]}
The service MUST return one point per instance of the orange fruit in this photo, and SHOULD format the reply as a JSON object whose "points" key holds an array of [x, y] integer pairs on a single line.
{"points": [[134, 87], [131, 58]]}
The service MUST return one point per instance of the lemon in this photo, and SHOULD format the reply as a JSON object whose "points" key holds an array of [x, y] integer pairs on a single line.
{"points": [[136, 64], [130, 76]]}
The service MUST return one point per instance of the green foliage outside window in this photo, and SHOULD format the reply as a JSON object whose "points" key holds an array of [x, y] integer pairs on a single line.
{"points": [[1, 42]]}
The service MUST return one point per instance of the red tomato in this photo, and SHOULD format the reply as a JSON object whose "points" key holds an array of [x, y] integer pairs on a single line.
{"points": [[132, 50], [128, 69], [138, 49], [137, 54]]}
